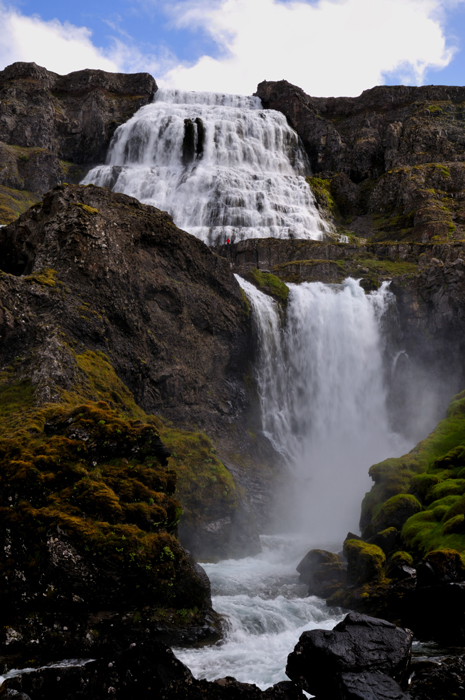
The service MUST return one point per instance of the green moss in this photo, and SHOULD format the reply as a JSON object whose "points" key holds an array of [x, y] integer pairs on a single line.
{"points": [[45, 277], [422, 483], [448, 487], [15, 202], [205, 487], [365, 562], [431, 471], [395, 511], [269, 283], [245, 302], [321, 189], [401, 558], [85, 207]]}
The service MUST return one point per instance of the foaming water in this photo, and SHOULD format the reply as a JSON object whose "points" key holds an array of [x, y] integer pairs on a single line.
{"points": [[222, 166], [267, 611], [323, 396]]}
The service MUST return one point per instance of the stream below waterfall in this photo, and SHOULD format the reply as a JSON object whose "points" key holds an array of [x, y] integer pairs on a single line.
{"points": [[266, 608], [322, 377]]}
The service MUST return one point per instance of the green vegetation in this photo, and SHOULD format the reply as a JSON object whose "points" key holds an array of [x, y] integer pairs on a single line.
{"points": [[321, 189], [15, 202], [268, 283], [94, 469], [85, 207], [430, 481], [365, 562], [205, 487]]}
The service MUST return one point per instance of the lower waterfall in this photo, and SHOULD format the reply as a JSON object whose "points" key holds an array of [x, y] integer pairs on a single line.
{"points": [[323, 396]]}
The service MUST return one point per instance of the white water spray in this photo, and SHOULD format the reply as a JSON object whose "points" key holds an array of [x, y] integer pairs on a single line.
{"points": [[323, 397], [267, 610], [222, 166]]}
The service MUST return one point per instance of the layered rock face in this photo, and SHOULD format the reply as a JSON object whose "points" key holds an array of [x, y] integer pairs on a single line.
{"points": [[53, 127], [109, 313], [392, 158]]}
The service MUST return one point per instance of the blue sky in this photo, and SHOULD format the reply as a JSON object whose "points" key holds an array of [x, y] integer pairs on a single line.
{"points": [[327, 47]]}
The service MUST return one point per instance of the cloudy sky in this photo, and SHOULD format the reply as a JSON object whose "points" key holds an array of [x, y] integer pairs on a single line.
{"points": [[327, 47]]}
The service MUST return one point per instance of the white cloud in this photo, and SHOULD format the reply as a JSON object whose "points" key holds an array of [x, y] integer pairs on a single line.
{"points": [[327, 47], [61, 48]]}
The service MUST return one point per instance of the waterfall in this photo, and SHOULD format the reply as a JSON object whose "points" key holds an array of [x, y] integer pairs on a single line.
{"points": [[222, 166], [323, 396]]}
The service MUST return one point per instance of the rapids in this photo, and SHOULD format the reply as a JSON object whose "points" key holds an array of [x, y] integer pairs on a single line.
{"points": [[222, 166], [267, 610]]}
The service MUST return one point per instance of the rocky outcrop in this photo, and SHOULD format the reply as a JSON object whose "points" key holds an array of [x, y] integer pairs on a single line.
{"points": [[360, 652], [53, 128], [392, 158], [103, 298]]}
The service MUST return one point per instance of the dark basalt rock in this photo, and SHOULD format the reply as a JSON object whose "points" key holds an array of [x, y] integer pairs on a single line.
{"points": [[370, 686], [390, 157], [357, 644], [142, 670], [442, 678], [322, 571], [53, 128], [229, 689]]}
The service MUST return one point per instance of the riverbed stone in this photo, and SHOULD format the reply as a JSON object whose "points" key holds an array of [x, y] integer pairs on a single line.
{"points": [[369, 686], [357, 644]]}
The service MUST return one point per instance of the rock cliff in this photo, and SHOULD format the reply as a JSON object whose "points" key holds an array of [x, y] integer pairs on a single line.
{"points": [[53, 128], [110, 314], [391, 160]]}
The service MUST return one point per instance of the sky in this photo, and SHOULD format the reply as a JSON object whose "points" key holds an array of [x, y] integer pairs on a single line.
{"points": [[326, 47]]}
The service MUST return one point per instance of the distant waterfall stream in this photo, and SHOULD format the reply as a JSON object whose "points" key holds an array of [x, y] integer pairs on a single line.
{"points": [[222, 166], [321, 384]]}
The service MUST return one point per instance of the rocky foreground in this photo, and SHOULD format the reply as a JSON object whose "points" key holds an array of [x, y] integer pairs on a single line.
{"points": [[363, 658]]}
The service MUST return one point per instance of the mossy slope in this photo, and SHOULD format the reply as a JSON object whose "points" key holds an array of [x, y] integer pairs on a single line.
{"points": [[429, 485]]}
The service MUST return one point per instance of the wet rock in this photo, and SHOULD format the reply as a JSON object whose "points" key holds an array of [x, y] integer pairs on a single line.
{"points": [[385, 540], [142, 670], [229, 689], [365, 562], [323, 572], [442, 678], [357, 644], [440, 567], [313, 559], [370, 686]]}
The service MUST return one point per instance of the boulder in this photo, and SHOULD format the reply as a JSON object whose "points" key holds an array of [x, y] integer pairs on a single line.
{"points": [[395, 512], [440, 567], [385, 540], [141, 671], [369, 686], [323, 572], [442, 678], [365, 562], [357, 644]]}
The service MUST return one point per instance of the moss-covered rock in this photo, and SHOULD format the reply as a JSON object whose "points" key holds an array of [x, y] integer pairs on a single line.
{"points": [[395, 512], [386, 539], [365, 562], [268, 283]]}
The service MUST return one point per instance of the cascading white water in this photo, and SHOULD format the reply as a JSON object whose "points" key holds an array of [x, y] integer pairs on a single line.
{"points": [[323, 397], [222, 166], [267, 609]]}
